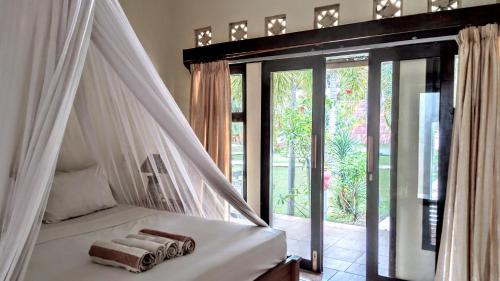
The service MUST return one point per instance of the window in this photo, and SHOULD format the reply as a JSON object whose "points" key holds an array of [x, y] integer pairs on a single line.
{"points": [[238, 128], [203, 36], [326, 16], [238, 31], [443, 5], [276, 25], [387, 8]]}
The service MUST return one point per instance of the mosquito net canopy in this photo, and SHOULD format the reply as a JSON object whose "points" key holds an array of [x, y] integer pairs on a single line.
{"points": [[77, 89]]}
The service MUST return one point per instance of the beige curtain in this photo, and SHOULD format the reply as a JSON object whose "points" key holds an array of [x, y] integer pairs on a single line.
{"points": [[211, 110], [469, 242]]}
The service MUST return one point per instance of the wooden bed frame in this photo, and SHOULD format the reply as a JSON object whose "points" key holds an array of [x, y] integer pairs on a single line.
{"points": [[287, 270]]}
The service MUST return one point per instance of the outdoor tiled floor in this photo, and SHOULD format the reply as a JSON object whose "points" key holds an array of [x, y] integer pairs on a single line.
{"points": [[344, 248]]}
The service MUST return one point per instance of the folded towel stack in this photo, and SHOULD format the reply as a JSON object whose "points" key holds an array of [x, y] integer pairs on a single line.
{"points": [[140, 252], [171, 247], [186, 243], [131, 258], [157, 249]]}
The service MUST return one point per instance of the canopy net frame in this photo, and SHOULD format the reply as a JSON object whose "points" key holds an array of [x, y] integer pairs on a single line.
{"points": [[80, 90]]}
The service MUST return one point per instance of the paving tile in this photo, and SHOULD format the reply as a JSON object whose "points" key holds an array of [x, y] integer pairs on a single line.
{"points": [[383, 263], [357, 235], [330, 240], [344, 247], [344, 276], [324, 276], [353, 244], [350, 227], [343, 254], [337, 232], [361, 259], [308, 276], [328, 273], [359, 269], [336, 264]]}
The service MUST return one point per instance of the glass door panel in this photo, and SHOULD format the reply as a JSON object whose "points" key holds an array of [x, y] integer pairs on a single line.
{"points": [[292, 154], [237, 156], [409, 131], [405, 223], [418, 123], [344, 176], [291, 157], [385, 256]]}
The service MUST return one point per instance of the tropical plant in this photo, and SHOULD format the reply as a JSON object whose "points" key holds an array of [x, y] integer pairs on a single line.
{"points": [[236, 92], [349, 174], [344, 153], [386, 91], [299, 195], [292, 94]]}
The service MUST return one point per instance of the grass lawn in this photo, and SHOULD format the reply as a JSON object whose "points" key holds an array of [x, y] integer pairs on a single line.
{"points": [[280, 190], [302, 208]]}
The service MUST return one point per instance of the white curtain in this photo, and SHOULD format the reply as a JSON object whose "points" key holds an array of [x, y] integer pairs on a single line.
{"points": [[126, 139], [114, 38], [51, 41], [122, 108], [471, 229]]}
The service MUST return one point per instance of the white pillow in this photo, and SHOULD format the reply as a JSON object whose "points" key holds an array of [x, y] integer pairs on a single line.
{"points": [[78, 193]]}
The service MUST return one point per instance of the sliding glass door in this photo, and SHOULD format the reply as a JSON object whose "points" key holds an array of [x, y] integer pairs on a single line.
{"points": [[290, 153], [354, 157], [409, 129]]}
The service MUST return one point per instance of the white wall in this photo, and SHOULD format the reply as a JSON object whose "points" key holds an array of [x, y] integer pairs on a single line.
{"points": [[152, 21], [253, 135]]}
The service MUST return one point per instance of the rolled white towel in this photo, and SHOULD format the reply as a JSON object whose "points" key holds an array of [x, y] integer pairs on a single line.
{"points": [[186, 243], [172, 247], [113, 254], [157, 249]]}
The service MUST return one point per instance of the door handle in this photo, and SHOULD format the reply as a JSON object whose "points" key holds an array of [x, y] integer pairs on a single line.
{"points": [[370, 157], [314, 151]]}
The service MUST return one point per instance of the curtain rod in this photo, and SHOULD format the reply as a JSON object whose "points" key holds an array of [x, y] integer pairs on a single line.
{"points": [[344, 50]]}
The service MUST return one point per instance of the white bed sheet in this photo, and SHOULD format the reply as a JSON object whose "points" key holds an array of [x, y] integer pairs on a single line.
{"points": [[224, 251]]}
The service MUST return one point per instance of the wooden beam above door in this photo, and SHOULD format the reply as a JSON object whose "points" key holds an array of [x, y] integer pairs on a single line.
{"points": [[420, 26]]}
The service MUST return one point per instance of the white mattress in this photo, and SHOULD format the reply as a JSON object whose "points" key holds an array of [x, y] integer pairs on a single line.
{"points": [[224, 251]]}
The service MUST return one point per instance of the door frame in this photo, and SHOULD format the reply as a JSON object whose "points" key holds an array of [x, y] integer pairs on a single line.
{"points": [[446, 51], [318, 66]]}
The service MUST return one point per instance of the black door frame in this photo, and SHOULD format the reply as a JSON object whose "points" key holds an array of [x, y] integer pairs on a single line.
{"points": [[446, 51], [317, 64]]}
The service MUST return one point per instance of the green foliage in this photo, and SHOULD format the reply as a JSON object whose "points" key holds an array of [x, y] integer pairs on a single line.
{"points": [[386, 91], [349, 175], [298, 195], [342, 145], [296, 129], [345, 156], [236, 92], [292, 124], [292, 115], [350, 185], [353, 86]]}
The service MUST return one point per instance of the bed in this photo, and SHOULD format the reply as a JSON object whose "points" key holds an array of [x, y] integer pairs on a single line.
{"points": [[225, 251]]}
